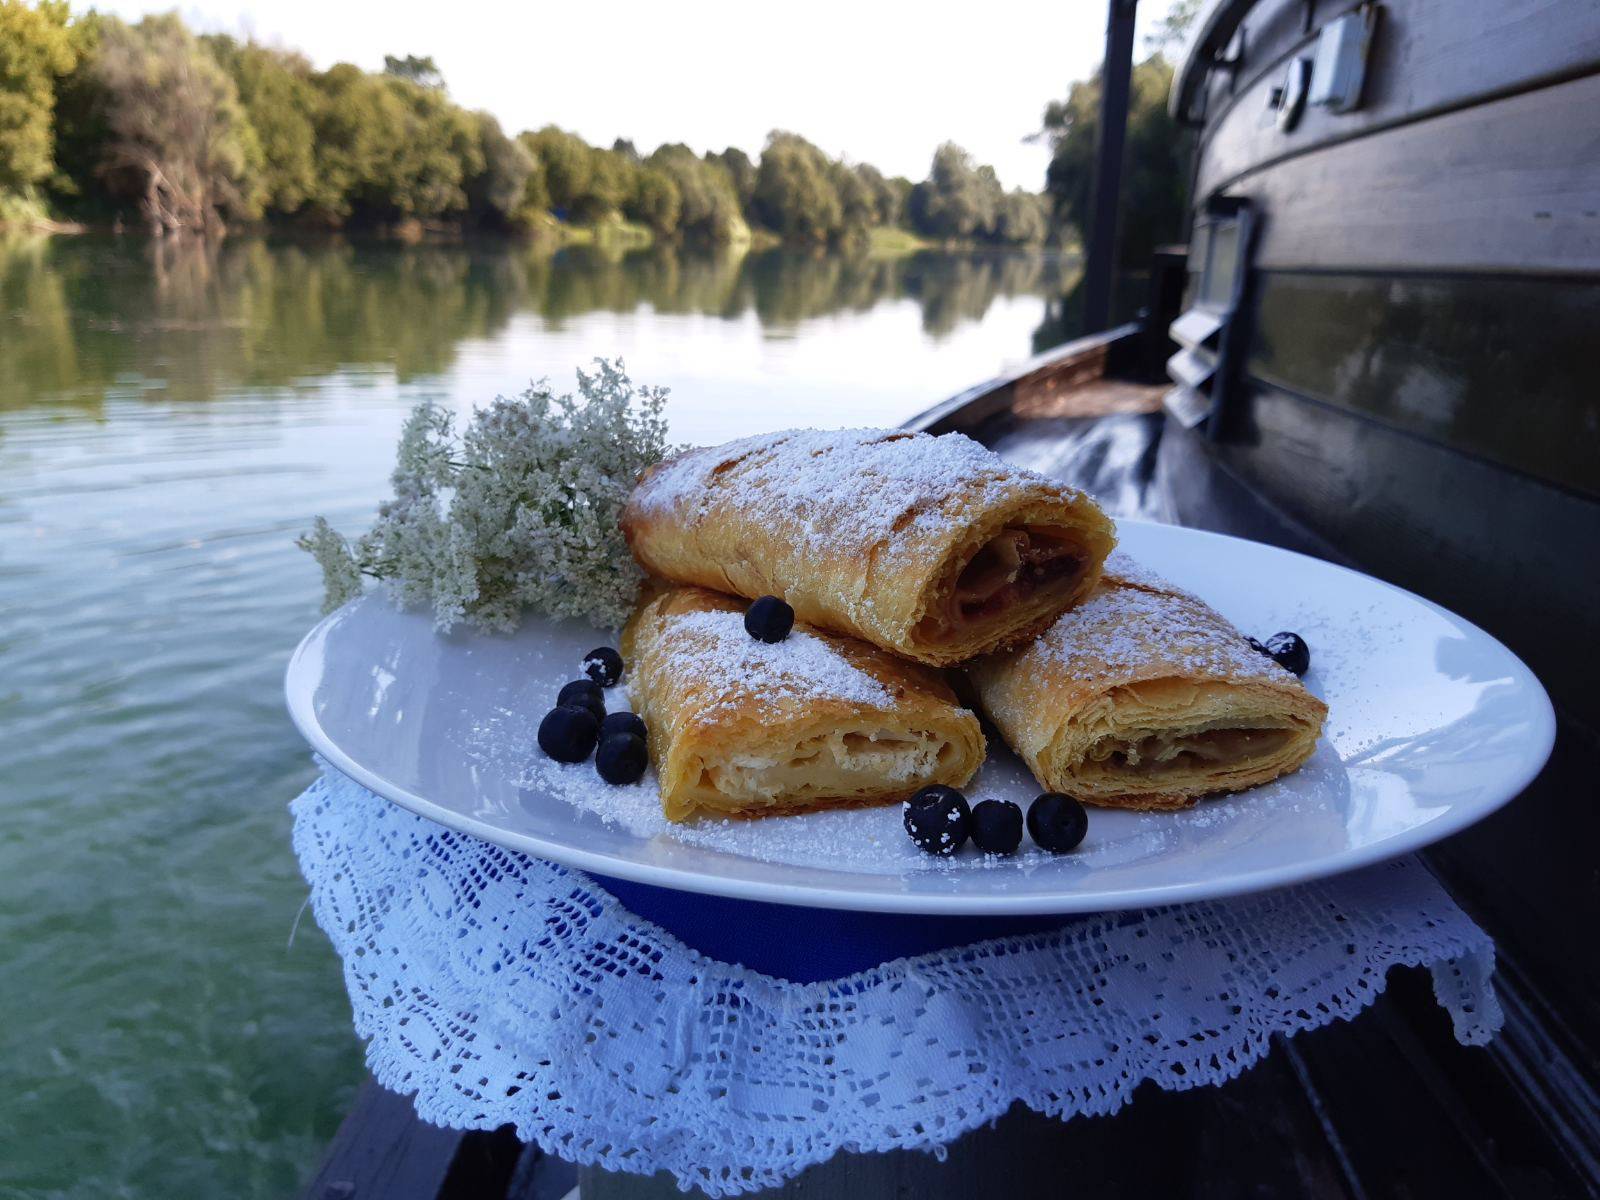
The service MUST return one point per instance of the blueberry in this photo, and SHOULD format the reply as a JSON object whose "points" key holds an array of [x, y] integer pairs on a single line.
{"points": [[996, 826], [622, 758], [583, 693], [567, 733], [1289, 651], [768, 619], [603, 665], [622, 722], [1258, 647], [937, 818], [1057, 823]]}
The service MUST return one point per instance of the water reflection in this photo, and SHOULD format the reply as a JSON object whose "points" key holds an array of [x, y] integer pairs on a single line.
{"points": [[83, 316]]}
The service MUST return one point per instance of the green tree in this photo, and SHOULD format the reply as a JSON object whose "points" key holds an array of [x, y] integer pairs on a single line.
{"points": [[389, 149], [740, 170], [36, 50], [358, 121], [80, 128], [438, 150], [568, 163], [179, 142], [858, 205], [959, 199], [888, 203], [708, 204], [1024, 219], [901, 187], [496, 193], [654, 201], [280, 103], [610, 182], [535, 191], [1155, 167], [794, 192]]}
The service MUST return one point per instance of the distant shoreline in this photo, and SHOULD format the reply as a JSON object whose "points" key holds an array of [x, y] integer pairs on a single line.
{"points": [[625, 236]]}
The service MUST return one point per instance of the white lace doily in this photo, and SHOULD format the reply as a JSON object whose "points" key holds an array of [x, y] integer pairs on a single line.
{"points": [[500, 989]]}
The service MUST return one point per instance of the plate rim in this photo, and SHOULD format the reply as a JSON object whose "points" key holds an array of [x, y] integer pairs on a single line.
{"points": [[302, 713]]}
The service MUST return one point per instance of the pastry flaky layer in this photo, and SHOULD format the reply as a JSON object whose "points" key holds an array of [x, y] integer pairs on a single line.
{"points": [[932, 547], [1145, 697], [741, 727]]}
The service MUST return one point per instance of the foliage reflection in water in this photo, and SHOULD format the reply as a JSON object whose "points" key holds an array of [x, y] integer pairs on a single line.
{"points": [[84, 314]]}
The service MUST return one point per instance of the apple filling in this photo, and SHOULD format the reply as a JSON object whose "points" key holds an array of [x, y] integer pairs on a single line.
{"points": [[1173, 749], [1009, 567]]}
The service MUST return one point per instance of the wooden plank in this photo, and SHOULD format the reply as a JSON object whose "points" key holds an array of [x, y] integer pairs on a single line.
{"points": [[489, 1162], [1112, 457], [1254, 1136], [1535, 1053], [1510, 185], [538, 1177], [1408, 1128], [1098, 397], [1528, 875], [383, 1152], [1428, 57], [1081, 359]]}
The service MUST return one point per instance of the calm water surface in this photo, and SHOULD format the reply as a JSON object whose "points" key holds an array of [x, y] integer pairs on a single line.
{"points": [[170, 417]]}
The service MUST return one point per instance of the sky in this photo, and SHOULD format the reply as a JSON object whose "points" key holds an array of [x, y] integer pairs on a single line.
{"points": [[872, 82]]}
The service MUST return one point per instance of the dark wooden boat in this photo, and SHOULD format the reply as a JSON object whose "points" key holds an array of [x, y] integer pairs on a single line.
{"points": [[1383, 355]]}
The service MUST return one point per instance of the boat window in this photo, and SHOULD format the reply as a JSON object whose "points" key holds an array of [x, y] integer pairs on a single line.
{"points": [[1223, 269], [1199, 246]]}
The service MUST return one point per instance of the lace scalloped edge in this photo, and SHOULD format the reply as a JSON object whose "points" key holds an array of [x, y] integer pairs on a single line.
{"points": [[497, 989]]}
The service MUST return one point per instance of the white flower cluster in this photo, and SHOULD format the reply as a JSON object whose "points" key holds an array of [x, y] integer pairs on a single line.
{"points": [[521, 511]]}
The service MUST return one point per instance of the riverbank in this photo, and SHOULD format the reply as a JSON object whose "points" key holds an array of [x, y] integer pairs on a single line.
{"points": [[614, 235]]}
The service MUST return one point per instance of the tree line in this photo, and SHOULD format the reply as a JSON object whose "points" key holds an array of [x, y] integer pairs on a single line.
{"points": [[214, 314], [104, 120]]}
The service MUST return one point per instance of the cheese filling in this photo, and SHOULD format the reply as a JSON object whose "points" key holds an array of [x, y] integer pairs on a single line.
{"points": [[836, 763]]}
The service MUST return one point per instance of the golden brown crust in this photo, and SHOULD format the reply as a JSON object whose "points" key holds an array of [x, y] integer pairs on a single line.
{"points": [[741, 728], [1144, 697], [864, 532]]}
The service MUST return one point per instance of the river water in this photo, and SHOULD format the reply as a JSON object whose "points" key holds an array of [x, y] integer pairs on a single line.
{"points": [[170, 418]]}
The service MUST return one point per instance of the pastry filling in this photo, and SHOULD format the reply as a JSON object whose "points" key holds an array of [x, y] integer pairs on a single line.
{"points": [[838, 763], [1013, 566], [1172, 750]]}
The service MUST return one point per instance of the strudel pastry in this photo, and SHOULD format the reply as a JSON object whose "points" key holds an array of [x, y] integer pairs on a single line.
{"points": [[932, 547], [747, 728], [1145, 697]]}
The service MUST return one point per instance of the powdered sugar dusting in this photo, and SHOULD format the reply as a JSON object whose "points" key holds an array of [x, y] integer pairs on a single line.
{"points": [[1123, 631], [1123, 566], [731, 667], [840, 488]]}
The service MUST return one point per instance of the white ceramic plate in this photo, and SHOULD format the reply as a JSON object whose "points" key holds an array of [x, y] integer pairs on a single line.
{"points": [[1433, 725]]}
